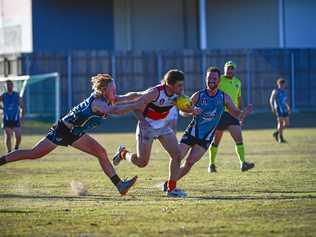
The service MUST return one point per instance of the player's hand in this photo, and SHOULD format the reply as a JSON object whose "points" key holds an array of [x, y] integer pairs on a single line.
{"points": [[248, 110], [196, 111]]}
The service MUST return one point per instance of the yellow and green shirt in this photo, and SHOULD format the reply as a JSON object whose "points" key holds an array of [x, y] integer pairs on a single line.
{"points": [[231, 87]]}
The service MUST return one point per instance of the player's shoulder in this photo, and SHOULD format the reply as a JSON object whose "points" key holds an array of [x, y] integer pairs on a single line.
{"points": [[236, 80]]}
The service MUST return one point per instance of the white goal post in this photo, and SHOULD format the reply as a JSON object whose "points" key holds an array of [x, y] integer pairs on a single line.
{"points": [[22, 83]]}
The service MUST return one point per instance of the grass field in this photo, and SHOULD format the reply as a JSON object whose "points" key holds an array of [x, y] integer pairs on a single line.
{"points": [[277, 198]]}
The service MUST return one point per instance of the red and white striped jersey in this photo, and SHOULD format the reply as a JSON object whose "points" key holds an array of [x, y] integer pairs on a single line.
{"points": [[157, 111]]}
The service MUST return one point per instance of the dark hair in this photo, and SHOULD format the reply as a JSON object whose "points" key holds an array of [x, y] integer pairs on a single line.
{"points": [[8, 81], [280, 81], [172, 76], [214, 69]]}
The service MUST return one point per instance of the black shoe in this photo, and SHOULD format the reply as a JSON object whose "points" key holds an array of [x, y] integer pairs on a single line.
{"points": [[275, 135], [246, 166], [212, 169], [125, 185]]}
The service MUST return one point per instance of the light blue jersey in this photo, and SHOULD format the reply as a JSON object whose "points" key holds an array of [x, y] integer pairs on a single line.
{"points": [[203, 126], [280, 101], [82, 117], [11, 104]]}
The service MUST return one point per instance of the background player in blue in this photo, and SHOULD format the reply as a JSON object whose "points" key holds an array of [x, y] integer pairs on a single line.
{"points": [[13, 112], [280, 107], [208, 106], [70, 129]]}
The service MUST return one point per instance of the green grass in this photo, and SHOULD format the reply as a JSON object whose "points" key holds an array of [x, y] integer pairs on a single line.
{"points": [[277, 198]]}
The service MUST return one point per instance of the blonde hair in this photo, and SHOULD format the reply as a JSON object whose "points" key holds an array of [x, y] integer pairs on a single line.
{"points": [[100, 82]]}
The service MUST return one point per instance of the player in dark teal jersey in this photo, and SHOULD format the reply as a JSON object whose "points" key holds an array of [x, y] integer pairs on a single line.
{"points": [[207, 108], [280, 107], [71, 128], [13, 111]]}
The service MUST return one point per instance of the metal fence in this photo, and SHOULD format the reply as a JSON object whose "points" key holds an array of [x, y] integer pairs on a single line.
{"points": [[138, 70]]}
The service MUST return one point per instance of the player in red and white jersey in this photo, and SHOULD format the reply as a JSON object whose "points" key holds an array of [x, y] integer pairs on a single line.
{"points": [[154, 124]]}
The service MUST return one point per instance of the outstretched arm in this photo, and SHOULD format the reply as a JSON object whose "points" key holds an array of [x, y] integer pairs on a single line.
{"points": [[130, 96], [233, 110]]}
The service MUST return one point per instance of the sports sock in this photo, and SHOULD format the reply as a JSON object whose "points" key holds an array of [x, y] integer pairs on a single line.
{"points": [[171, 185], [240, 151], [2, 160], [212, 152], [115, 179]]}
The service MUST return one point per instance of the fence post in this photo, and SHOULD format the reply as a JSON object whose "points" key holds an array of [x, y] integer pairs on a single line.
{"points": [[248, 68], [159, 66], [27, 72], [69, 81], [293, 96], [113, 65], [203, 66]]}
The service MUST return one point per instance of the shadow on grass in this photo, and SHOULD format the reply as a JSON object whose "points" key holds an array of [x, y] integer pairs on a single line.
{"points": [[89, 197], [15, 211], [249, 197]]}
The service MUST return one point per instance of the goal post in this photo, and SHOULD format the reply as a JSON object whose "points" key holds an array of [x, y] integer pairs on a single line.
{"points": [[41, 94]]}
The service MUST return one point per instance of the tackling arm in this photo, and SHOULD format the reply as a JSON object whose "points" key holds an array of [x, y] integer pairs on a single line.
{"points": [[130, 96]]}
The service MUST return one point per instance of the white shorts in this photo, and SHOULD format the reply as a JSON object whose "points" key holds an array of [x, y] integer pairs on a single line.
{"points": [[148, 134]]}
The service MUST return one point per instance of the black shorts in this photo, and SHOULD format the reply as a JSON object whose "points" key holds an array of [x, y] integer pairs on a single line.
{"points": [[281, 114], [226, 120], [11, 123], [61, 135], [190, 141]]}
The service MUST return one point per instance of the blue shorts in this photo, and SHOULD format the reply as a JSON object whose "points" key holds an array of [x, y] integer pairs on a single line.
{"points": [[11, 123], [191, 140], [61, 135], [227, 120]]}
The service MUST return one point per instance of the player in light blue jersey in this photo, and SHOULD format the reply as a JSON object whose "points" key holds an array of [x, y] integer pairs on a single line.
{"points": [[280, 107], [207, 108], [71, 128], [13, 111]]}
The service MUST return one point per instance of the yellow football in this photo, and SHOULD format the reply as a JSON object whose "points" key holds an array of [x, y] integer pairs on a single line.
{"points": [[183, 102]]}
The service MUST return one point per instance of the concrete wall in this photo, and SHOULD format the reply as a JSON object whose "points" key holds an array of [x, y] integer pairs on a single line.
{"points": [[300, 23], [242, 24], [16, 18], [154, 25], [60, 25]]}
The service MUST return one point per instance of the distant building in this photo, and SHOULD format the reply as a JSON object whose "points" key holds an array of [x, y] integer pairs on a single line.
{"points": [[65, 25]]}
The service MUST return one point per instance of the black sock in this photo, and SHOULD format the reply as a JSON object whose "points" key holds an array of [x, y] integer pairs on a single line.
{"points": [[2, 160], [115, 180]]}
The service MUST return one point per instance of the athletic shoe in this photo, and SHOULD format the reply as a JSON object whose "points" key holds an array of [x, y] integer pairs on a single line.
{"points": [[177, 193], [246, 166], [125, 185], [212, 169], [117, 157], [275, 135]]}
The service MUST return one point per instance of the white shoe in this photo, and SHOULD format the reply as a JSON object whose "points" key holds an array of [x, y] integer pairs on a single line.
{"points": [[177, 193], [117, 157]]}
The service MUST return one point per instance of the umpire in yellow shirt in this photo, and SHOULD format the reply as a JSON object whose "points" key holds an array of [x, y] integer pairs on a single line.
{"points": [[230, 85]]}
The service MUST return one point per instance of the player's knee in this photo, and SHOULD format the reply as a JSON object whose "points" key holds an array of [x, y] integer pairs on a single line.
{"points": [[176, 155], [36, 154], [190, 163]]}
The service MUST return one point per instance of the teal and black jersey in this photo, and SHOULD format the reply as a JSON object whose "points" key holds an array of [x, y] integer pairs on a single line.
{"points": [[11, 109], [204, 125], [280, 102], [82, 117]]}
